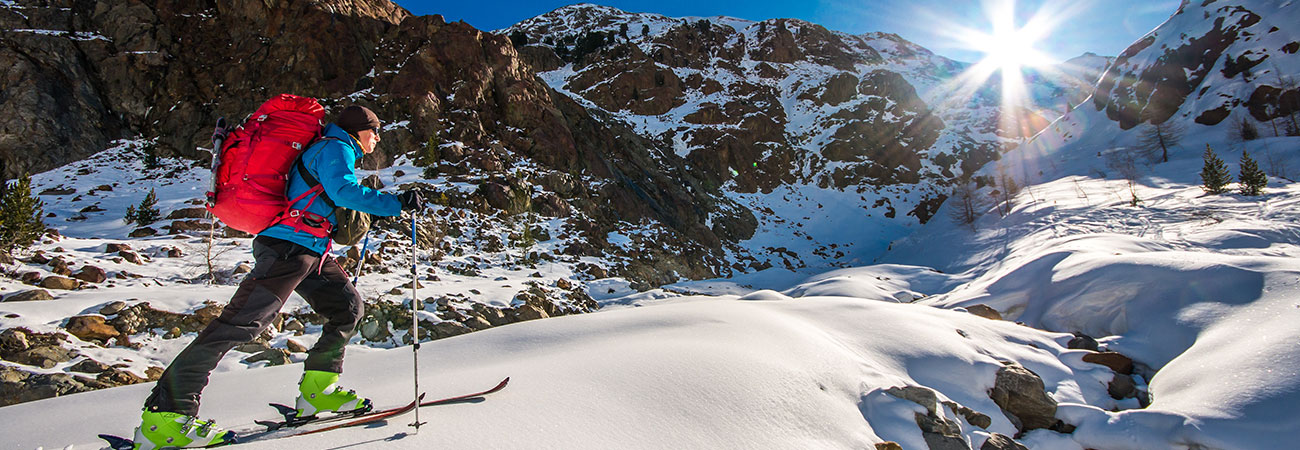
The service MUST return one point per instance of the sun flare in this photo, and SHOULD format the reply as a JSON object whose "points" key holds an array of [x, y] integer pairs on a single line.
{"points": [[1009, 47]]}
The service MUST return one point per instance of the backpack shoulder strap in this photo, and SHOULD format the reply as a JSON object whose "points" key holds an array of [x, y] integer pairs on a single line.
{"points": [[311, 180]]}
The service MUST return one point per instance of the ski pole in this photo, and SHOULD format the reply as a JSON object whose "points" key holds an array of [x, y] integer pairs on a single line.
{"points": [[219, 134], [360, 262], [415, 324]]}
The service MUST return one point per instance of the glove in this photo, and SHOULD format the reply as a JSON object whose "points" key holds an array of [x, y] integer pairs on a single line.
{"points": [[412, 199]]}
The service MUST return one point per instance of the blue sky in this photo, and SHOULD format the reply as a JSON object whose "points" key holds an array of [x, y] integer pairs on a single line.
{"points": [[1100, 26]]}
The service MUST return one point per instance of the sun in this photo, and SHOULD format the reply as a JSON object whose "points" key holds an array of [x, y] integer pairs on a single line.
{"points": [[1011, 50], [1008, 47]]}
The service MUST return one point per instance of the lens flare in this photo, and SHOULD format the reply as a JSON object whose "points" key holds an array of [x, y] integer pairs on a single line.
{"points": [[1010, 49]]}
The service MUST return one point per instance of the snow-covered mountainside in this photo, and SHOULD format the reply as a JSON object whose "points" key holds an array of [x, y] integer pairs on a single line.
{"points": [[817, 132], [1057, 89], [1212, 61]]}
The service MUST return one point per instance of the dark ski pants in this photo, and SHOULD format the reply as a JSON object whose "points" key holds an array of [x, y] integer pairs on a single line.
{"points": [[282, 267]]}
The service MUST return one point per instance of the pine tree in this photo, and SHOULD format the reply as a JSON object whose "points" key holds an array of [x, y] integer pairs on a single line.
{"points": [[20, 215], [146, 213], [1214, 175], [1252, 179]]}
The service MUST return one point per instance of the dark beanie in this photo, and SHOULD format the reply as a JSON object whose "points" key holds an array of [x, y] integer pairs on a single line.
{"points": [[356, 118]]}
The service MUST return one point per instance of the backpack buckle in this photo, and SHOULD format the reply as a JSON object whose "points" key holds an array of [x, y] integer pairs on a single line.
{"points": [[297, 146], [294, 213]]}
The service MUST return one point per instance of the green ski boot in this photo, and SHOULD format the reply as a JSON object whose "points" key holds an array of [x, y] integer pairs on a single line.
{"points": [[318, 392], [169, 429]]}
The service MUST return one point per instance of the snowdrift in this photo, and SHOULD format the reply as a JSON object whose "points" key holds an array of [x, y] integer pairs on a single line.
{"points": [[699, 372]]}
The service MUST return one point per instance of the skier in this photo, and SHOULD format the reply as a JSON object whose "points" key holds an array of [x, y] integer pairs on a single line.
{"points": [[288, 259]]}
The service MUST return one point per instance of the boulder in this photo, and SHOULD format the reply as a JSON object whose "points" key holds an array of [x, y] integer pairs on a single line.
{"points": [[30, 277], [940, 433], [492, 315], [45, 356], [295, 346], [1122, 387], [13, 341], [28, 387], [253, 347], [173, 252], [477, 323], [58, 282], [202, 316], [113, 308], [1082, 341], [449, 328], [984, 311], [29, 295], [185, 226], [1115, 361], [374, 328], [998, 441], [118, 377], [528, 312], [114, 248], [89, 366], [90, 328], [38, 257], [504, 197], [141, 317], [142, 232], [242, 268], [888, 445], [273, 357], [91, 274], [916, 394], [974, 417], [60, 266], [233, 233], [197, 212], [294, 325], [1021, 395], [131, 257]]}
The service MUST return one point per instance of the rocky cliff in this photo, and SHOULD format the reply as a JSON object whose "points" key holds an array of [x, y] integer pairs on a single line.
{"points": [[79, 75]]}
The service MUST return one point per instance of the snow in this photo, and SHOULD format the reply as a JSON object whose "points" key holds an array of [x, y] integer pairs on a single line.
{"points": [[701, 371]]}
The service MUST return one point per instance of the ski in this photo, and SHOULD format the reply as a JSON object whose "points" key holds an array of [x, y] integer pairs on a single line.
{"points": [[368, 418], [467, 397], [284, 428], [121, 443], [291, 420]]}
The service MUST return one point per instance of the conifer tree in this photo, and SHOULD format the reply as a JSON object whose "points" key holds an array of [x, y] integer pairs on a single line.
{"points": [[1214, 174], [1252, 179], [20, 215], [146, 213]]}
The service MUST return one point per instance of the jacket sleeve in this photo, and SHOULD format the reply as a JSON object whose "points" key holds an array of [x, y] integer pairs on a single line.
{"points": [[333, 168]]}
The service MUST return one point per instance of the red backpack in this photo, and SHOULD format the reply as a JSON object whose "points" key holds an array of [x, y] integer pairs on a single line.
{"points": [[251, 171]]}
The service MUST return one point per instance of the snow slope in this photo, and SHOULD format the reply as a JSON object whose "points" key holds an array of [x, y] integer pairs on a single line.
{"points": [[764, 371]]}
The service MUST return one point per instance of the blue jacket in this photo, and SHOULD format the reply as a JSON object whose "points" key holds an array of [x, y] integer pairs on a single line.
{"points": [[331, 162]]}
